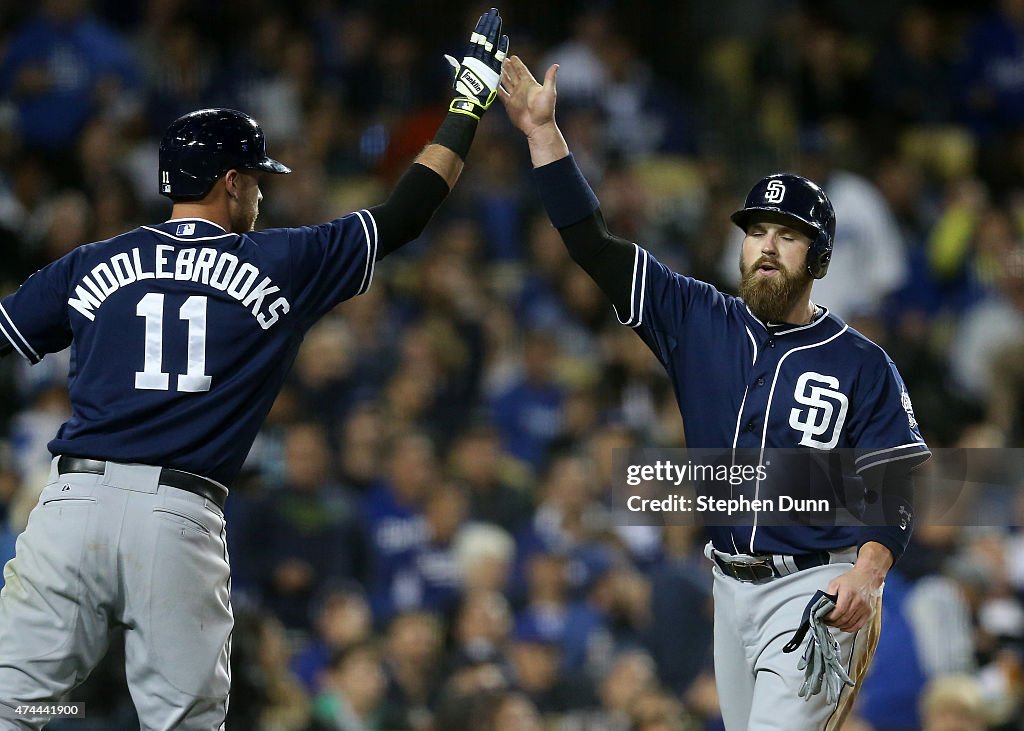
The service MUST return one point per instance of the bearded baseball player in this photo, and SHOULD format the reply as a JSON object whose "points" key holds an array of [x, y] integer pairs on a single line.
{"points": [[796, 608], [182, 334]]}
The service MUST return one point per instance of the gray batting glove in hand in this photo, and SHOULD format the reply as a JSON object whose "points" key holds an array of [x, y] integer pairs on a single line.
{"points": [[821, 660], [476, 78]]}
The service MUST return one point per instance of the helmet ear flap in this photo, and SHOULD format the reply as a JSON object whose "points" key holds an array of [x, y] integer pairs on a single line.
{"points": [[818, 257], [826, 258]]}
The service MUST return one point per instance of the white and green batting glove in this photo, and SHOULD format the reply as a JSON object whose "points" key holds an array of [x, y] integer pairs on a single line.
{"points": [[476, 78]]}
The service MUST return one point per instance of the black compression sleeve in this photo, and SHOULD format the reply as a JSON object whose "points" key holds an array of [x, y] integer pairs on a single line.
{"points": [[456, 133], [406, 212], [5, 349], [889, 512], [605, 257]]}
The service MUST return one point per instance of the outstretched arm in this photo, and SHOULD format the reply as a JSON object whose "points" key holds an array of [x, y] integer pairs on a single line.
{"points": [[571, 204], [434, 172]]}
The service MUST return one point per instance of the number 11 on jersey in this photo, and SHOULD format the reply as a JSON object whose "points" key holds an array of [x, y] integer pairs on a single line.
{"points": [[151, 377]]}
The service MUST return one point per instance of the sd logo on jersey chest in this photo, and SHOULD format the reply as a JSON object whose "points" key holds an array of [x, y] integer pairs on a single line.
{"points": [[821, 423]]}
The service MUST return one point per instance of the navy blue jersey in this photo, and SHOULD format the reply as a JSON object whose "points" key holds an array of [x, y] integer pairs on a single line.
{"points": [[182, 334], [743, 384]]}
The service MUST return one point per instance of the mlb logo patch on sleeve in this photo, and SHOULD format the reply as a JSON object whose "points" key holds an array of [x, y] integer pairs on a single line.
{"points": [[185, 229]]}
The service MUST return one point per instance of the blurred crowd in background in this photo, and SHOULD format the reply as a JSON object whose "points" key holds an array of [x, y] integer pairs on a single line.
{"points": [[421, 539]]}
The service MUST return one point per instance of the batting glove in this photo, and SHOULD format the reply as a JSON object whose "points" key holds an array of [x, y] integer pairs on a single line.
{"points": [[476, 78], [821, 660]]}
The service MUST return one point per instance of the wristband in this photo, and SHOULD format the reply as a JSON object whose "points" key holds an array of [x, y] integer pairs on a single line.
{"points": [[565, 193], [456, 133]]}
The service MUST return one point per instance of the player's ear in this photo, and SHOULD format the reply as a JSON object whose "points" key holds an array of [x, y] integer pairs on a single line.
{"points": [[231, 183]]}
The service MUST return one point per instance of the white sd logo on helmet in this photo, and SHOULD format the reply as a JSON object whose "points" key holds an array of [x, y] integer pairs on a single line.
{"points": [[775, 192]]}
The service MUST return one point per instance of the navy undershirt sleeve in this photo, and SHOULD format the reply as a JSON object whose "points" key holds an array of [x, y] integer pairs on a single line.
{"points": [[575, 211]]}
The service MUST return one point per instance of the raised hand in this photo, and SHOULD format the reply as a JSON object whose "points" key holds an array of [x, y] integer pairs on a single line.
{"points": [[476, 79], [529, 104]]}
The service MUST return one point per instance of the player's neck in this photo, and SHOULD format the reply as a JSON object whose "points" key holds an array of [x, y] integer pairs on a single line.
{"points": [[802, 312], [202, 209]]}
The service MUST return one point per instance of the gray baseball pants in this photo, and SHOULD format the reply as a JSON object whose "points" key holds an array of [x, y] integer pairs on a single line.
{"points": [[119, 549], [758, 683]]}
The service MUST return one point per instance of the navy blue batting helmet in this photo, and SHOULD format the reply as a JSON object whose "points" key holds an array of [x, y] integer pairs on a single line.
{"points": [[203, 145], [795, 201]]}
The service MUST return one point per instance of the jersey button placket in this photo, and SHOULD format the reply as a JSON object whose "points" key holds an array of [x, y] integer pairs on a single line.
{"points": [[760, 381]]}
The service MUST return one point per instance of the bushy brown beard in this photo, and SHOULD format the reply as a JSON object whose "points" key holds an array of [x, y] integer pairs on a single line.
{"points": [[771, 299]]}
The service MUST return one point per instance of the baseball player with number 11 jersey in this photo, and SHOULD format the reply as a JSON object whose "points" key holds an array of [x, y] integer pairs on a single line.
{"points": [[766, 370], [182, 334]]}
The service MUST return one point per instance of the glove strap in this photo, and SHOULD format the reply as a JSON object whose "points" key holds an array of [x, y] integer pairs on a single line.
{"points": [[798, 637], [468, 107], [805, 625]]}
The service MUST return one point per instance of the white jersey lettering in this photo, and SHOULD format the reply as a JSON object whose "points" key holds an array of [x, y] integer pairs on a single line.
{"points": [[243, 281], [140, 273], [222, 271], [122, 269], [161, 261], [183, 265]]}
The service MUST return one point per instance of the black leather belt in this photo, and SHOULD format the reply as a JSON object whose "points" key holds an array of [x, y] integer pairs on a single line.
{"points": [[765, 568], [195, 484]]}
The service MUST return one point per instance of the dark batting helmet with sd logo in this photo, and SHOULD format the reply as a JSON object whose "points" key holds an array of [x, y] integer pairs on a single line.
{"points": [[203, 145], [795, 201]]}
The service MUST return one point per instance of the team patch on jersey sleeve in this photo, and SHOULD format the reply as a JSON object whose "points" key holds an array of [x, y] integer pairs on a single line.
{"points": [[909, 408]]}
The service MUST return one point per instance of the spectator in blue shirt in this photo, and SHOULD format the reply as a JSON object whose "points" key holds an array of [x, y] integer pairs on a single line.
{"points": [[426, 574], [393, 519], [991, 77], [529, 413], [62, 67]]}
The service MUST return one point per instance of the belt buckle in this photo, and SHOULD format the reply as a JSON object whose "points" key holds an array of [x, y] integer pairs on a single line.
{"points": [[751, 572]]}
